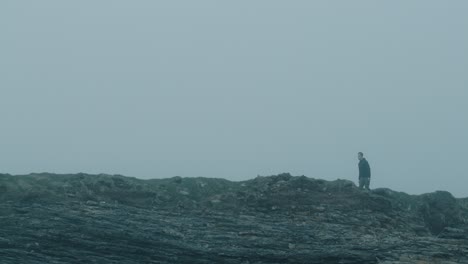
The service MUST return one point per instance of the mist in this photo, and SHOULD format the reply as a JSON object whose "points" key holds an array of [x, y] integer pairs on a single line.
{"points": [[235, 90]]}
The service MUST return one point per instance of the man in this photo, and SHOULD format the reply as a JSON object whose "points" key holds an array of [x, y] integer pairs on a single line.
{"points": [[364, 172]]}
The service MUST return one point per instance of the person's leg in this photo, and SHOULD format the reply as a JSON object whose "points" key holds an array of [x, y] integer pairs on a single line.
{"points": [[367, 183], [361, 183]]}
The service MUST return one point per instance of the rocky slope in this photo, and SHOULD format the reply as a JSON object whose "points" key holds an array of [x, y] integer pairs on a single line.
{"points": [[46, 218]]}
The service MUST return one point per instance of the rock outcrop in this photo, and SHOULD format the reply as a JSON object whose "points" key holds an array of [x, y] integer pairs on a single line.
{"points": [[47, 218]]}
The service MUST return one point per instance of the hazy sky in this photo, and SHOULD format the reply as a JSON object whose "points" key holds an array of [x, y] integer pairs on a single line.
{"points": [[234, 89]]}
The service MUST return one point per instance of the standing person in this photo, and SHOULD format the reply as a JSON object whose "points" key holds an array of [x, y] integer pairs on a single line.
{"points": [[364, 172]]}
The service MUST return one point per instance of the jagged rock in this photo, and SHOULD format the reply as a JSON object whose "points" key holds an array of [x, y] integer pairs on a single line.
{"points": [[46, 218]]}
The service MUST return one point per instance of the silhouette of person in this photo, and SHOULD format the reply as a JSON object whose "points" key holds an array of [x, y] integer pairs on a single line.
{"points": [[364, 172]]}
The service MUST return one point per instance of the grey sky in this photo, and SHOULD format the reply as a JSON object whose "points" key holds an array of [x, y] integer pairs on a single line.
{"points": [[233, 89]]}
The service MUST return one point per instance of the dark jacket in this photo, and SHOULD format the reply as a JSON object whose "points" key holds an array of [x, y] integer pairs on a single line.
{"points": [[364, 169]]}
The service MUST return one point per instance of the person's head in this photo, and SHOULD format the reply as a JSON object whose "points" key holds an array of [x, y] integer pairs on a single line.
{"points": [[360, 155]]}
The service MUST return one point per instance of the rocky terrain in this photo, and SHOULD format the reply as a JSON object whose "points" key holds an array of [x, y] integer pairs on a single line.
{"points": [[47, 218]]}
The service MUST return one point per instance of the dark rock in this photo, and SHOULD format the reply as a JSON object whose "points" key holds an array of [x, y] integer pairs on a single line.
{"points": [[47, 218], [440, 210]]}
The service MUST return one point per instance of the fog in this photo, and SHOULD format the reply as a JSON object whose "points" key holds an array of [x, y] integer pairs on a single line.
{"points": [[236, 89]]}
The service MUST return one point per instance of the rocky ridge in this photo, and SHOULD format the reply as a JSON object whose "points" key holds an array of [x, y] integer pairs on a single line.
{"points": [[80, 218]]}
